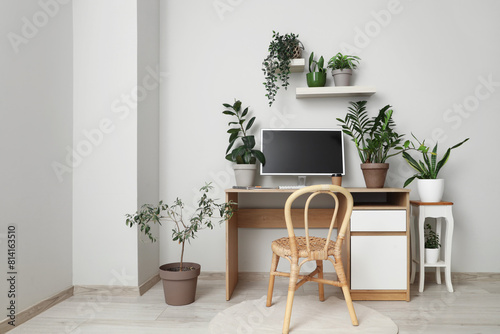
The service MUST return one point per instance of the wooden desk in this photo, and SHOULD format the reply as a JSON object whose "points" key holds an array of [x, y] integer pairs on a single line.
{"points": [[374, 201]]}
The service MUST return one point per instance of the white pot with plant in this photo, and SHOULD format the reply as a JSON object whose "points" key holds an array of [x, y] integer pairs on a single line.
{"points": [[180, 278], [244, 155], [432, 245], [430, 188], [342, 67], [374, 138]]}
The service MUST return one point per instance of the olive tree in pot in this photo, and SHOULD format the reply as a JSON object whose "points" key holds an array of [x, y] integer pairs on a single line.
{"points": [[342, 66], [431, 245], [180, 278], [374, 139], [430, 188], [244, 154], [276, 66]]}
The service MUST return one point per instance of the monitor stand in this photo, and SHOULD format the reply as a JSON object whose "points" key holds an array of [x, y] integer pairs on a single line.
{"points": [[301, 181]]}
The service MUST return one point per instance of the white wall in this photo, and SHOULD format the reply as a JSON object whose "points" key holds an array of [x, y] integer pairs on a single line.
{"points": [[425, 58], [105, 180], [35, 130]]}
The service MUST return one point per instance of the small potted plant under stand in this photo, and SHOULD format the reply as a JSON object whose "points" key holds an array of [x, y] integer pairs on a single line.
{"points": [[431, 245], [180, 278], [244, 155]]}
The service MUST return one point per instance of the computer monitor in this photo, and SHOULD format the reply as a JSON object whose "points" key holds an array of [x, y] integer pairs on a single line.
{"points": [[303, 152]]}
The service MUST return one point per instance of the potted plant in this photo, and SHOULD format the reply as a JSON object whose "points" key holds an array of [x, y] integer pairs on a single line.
{"points": [[282, 49], [244, 155], [431, 245], [374, 139], [180, 278], [342, 66], [317, 73], [430, 188]]}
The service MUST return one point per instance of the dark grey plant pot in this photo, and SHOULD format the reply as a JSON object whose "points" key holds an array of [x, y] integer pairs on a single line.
{"points": [[179, 287]]}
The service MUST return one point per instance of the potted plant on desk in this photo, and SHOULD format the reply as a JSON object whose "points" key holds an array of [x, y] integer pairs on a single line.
{"points": [[430, 188], [244, 154], [180, 278], [374, 139], [431, 245]]}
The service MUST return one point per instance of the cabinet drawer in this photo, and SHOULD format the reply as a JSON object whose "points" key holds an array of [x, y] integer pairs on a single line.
{"points": [[378, 220]]}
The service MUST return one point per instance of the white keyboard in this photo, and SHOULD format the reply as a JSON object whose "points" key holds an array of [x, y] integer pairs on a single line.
{"points": [[291, 187]]}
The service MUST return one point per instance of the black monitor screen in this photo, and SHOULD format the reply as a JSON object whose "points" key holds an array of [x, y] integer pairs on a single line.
{"points": [[302, 151]]}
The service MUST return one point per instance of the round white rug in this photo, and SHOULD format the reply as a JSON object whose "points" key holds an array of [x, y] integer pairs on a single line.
{"points": [[309, 315]]}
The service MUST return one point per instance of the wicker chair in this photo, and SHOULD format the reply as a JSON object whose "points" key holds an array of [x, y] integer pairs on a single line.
{"points": [[311, 248]]}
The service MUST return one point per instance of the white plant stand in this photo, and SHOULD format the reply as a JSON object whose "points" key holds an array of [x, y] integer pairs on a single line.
{"points": [[442, 211]]}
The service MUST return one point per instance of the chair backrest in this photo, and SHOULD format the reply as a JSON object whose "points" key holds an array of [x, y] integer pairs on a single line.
{"points": [[343, 209]]}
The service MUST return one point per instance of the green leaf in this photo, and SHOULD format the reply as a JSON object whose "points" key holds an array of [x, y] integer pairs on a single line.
{"points": [[228, 112], [237, 106], [245, 112], [250, 123]]}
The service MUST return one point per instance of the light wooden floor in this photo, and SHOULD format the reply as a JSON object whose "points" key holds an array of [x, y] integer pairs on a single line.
{"points": [[473, 308]]}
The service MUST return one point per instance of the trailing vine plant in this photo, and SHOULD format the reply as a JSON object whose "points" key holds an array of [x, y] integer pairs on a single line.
{"points": [[276, 66]]}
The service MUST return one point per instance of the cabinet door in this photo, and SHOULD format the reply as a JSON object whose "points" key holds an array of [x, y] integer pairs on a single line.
{"points": [[378, 220], [378, 262]]}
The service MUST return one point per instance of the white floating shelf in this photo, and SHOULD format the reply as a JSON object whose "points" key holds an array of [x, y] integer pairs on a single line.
{"points": [[297, 65], [306, 92]]}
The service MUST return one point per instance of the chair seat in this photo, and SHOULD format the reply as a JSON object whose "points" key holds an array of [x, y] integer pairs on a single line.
{"points": [[281, 247]]}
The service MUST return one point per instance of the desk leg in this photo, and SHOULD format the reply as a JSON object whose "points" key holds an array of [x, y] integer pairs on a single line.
{"points": [[231, 249]]}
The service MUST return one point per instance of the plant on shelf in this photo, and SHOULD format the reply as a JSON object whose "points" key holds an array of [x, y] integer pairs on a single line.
{"points": [[430, 188], [184, 230], [282, 49], [374, 139], [244, 153], [431, 245], [317, 73], [342, 66]]}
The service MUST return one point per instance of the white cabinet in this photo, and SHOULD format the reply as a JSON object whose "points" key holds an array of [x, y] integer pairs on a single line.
{"points": [[378, 262], [378, 241]]}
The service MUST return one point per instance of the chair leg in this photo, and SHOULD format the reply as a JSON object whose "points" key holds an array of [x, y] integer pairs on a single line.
{"points": [[294, 276], [350, 306], [321, 286], [274, 266]]}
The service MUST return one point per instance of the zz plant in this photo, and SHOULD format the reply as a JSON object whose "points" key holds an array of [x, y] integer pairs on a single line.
{"points": [[374, 137], [244, 153], [276, 66], [430, 166], [184, 229]]}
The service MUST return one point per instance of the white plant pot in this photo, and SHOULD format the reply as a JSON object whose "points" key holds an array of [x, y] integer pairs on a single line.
{"points": [[430, 190], [244, 174], [431, 255]]}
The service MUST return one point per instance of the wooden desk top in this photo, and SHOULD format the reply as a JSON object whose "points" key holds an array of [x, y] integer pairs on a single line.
{"points": [[352, 190]]}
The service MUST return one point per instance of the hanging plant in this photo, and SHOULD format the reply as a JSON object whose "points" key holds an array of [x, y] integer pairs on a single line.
{"points": [[282, 49]]}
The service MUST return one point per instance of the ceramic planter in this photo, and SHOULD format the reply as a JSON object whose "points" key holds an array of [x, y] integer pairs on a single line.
{"points": [[431, 255], [244, 174], [316, 79], [342, 77], [430, 190], [179, 287], [375, 174]]}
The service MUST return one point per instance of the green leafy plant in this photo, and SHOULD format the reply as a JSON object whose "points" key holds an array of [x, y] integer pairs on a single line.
{"points": [[428, 168], [245, 152], [316, 66], [184, 229], [431, 238], [277, 63], [342, 62], [374, 137]]}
